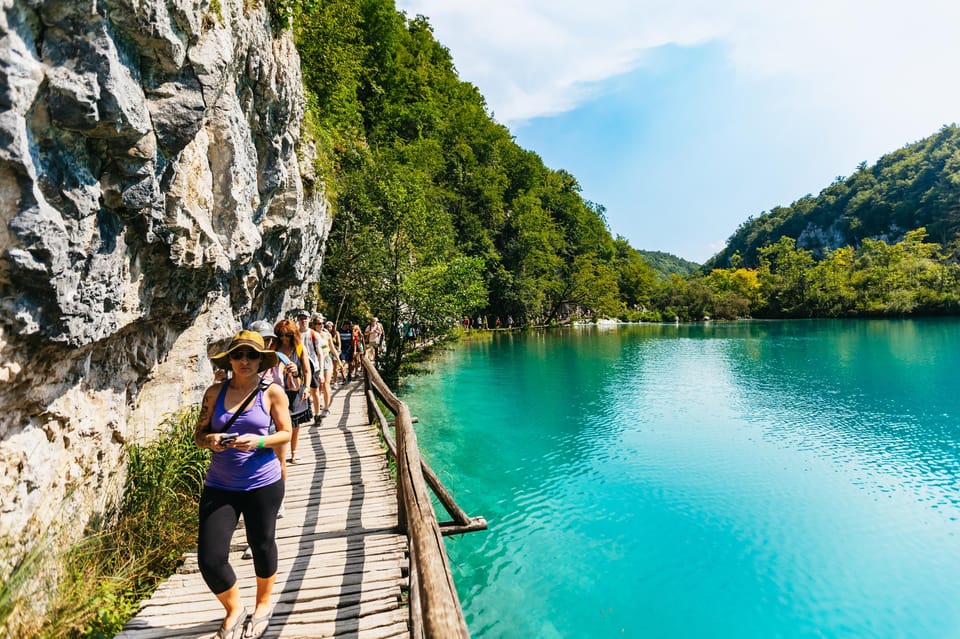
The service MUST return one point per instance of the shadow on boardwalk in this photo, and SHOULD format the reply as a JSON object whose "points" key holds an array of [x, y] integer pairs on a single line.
{"points": [[342, 563]]}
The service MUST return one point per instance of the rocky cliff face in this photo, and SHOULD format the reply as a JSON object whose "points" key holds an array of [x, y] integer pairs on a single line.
{"points": [[154, 195]]}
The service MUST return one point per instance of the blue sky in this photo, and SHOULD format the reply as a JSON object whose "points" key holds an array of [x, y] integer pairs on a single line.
{"points": [[684, 117]]}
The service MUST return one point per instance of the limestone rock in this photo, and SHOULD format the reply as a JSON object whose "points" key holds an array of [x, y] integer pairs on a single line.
{"points": [[150, 188]]}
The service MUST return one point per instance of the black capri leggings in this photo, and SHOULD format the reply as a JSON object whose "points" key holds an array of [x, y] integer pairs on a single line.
{"points": [[219, 512]]}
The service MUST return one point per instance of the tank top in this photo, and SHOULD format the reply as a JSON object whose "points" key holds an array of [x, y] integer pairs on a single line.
{"points": [[308, 339], [242, 469], [324, 344]]}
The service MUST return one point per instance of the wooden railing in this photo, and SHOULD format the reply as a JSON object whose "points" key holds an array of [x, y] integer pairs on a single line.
{"points": [[435, 611]]}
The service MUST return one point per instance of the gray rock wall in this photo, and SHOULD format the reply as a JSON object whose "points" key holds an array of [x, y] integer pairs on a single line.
{"points": [[151, 201]]}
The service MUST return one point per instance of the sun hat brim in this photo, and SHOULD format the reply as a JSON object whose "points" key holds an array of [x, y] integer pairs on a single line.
{"points": [[245, 339]]}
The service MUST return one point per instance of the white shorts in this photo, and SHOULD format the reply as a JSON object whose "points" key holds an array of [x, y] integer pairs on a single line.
{"points": [[327, 363]]}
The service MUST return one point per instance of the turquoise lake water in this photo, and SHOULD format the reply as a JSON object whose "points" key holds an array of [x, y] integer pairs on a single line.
{"points": [[752, 479]]}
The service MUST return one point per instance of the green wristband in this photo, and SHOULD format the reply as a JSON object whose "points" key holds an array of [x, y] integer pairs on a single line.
{"points": [[262, 441]]}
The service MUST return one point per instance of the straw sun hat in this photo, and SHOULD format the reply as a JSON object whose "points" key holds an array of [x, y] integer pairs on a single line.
{"points": [[250, 339]]}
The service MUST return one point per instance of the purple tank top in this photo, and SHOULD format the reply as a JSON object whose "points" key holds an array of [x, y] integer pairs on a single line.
{"points": [[236, 469]]}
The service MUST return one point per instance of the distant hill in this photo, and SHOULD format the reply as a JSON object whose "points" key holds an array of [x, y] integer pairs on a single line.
{"points": [[666, 264], [917, 185]]}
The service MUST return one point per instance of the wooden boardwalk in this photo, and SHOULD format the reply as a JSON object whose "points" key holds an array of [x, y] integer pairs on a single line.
{"points": [[343, 563]]}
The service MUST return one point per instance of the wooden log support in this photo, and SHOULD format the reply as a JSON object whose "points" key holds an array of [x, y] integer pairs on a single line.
{"points": [[435, 611], [462, 522], [443, 617]]}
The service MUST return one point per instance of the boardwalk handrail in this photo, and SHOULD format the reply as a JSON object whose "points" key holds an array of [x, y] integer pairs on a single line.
{"points": [[435, 611]]}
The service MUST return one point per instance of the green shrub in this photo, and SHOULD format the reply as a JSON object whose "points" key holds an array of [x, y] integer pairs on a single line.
{"points": [[124, 556]]}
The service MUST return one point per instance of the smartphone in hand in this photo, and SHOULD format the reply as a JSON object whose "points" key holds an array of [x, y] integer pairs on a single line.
{"points": [[229, 437]]}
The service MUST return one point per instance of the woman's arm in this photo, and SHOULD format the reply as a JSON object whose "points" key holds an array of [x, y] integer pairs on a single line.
{"points": [[279, 410], [202, 436], [307, 371]]}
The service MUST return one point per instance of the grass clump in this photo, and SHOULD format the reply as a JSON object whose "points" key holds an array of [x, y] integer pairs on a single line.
{"points": [[123, 557]]}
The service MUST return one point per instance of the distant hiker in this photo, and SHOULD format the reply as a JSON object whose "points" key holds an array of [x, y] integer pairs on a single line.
{"points": [[296, 381], [374, 335], [327, 353], [244, 478], [336, 376], [311, 344], [346, 350], [358, 347]]}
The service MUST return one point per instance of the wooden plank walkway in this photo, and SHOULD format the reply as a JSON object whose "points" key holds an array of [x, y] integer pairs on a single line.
{"points": [[342, 562]]}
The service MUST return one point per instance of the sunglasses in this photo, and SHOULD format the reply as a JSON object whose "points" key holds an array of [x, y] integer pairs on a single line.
{"points": [[250, 355]]}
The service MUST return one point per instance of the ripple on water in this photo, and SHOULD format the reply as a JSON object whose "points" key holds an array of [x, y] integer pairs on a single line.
{"points": [[731, 485]]}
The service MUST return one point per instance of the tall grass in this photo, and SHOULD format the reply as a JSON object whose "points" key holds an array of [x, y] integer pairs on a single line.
{"points": [[122, 558]]}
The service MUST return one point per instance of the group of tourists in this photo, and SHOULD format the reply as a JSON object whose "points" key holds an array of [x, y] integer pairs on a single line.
{"points": [[269, 381], [481, 323]]}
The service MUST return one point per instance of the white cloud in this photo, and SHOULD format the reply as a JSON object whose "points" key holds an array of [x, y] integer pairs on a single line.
{"points": [[533, 58]]}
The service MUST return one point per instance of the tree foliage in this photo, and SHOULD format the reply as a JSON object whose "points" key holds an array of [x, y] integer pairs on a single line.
{"points": [[440, 214], [915, 186]]}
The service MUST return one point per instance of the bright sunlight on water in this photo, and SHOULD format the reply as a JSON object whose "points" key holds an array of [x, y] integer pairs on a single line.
{"points": [[752, 479]]}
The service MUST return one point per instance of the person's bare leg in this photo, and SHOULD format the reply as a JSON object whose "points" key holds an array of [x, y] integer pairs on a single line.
{"points": [[230, 600], [294, 437], [326, 389], [264, 591]]}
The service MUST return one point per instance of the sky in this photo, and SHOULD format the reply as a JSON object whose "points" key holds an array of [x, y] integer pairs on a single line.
{"points": [[683, 118]]}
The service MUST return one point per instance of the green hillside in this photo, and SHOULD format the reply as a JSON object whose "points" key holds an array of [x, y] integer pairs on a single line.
{"points": [[666, 264], [915, 186], [438, 212]]}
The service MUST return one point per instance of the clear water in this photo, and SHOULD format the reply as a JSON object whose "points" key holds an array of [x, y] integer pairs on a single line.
{"points": [[762, 479]]}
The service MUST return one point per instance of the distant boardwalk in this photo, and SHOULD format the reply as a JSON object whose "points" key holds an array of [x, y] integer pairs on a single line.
{"points": [[343, 562]]}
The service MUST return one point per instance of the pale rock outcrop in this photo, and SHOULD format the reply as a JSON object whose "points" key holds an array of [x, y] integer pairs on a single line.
{"points": [[151, 202]]}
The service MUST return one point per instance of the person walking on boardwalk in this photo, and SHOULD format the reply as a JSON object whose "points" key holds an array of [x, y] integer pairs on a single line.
{"points": [[311, 344], [357, 341], [243, 478], [346, 351], [274, 375], [374, 336], [327, 353], [336, 377], [296, 381]]}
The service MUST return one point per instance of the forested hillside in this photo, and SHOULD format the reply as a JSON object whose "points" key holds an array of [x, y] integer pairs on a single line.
{"points": [[440, 214], [438, 211], [916, 186], [667, 264]]}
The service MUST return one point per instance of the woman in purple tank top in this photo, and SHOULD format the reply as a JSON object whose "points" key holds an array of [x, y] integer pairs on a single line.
{"points": [[243, 478]]}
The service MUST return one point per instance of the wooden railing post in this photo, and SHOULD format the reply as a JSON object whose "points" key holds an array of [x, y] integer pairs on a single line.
{"points": [[434, 603]]}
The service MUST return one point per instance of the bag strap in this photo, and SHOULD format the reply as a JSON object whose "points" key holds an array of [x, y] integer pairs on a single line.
{"points": [[261, 386]]}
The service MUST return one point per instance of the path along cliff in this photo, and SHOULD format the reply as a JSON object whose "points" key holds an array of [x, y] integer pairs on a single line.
{"points": [[155, 193]]}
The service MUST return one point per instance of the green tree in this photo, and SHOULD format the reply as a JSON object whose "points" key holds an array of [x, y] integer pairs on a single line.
{"points": [[783, 275], [587, 285]]}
